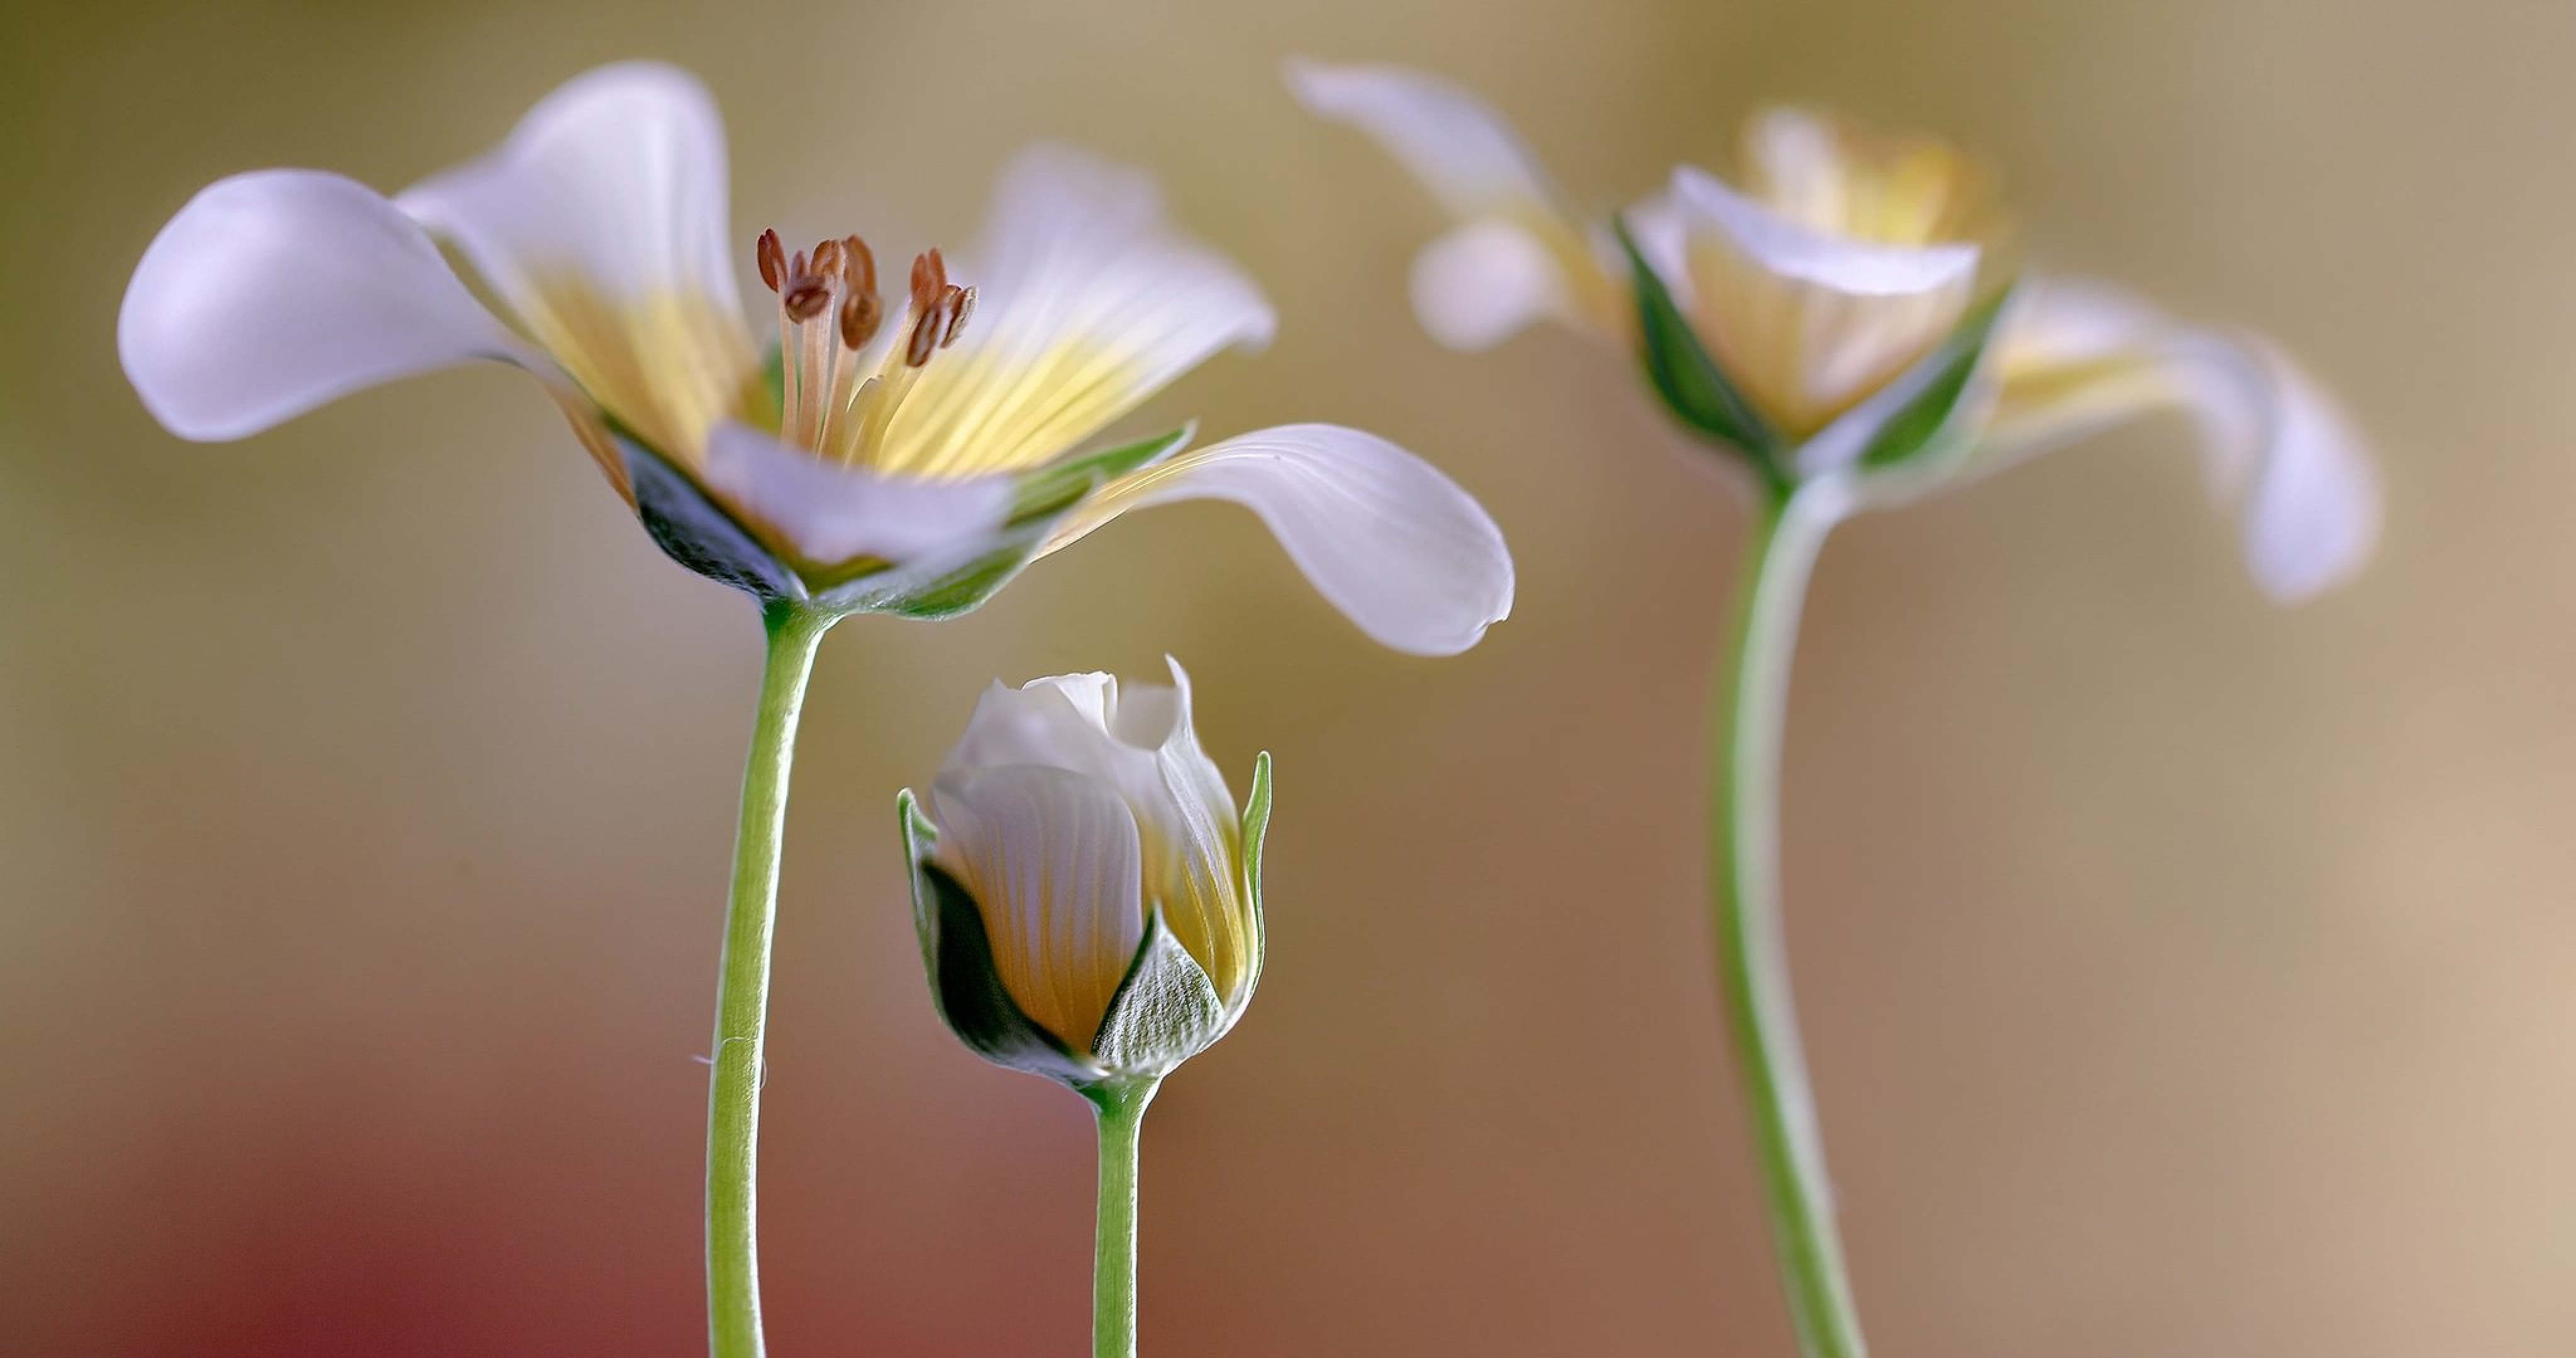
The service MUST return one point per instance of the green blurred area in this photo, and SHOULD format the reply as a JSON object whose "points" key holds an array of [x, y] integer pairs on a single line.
{"points": [[2182, 975]]}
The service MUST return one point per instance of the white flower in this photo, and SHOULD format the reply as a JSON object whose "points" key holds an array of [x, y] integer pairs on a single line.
{"points": [[1832, 289], [905, 458], [1088, 896]]}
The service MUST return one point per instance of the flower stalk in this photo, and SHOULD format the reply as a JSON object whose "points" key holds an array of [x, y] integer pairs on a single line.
{"points": [[742, 988], [1119, 1107], [1745, 730]]}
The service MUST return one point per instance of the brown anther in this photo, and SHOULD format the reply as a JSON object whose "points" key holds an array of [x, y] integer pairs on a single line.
{"points": [[828, 258], [861, 314], [806, 297], [929, 280], [773, 260], [924, 341], [860, 273], [961, 304]]}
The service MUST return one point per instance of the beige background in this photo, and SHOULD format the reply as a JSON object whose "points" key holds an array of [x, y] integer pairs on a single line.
{"points": [[2184, 976]]}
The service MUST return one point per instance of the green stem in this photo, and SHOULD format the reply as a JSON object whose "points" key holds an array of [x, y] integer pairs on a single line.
{"points": [[1752, 957], [1121, 1109], [742, 989]]}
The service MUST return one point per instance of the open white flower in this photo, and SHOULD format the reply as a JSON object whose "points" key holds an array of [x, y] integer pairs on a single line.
{"points": [[1843, 293], [904, 459], [1088, 897]]}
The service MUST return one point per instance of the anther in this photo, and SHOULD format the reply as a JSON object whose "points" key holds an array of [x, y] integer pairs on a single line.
{"points": [[925, 339], [860, 273], [929, 280], [829, 256], [860, 316], [806, 297], [773, 260], [962, 305]]}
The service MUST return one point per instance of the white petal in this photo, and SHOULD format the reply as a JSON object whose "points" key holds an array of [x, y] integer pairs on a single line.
{"points": [[618, 175], [2080, 356], [1455, 143], [1134, 736], [1086, 303], [1791, 249], [1137, 738], [276, 291], [1052, 860], [602, 223], [831, 513], [1398, 547], [1806, 321], [2307, 499], [1483, 282]]}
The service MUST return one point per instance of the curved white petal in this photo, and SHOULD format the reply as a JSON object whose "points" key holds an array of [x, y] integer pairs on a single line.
{"points": [[1484, 282], [1087, 301], [1381, 534], [831, 513], [602, 223], [1051, 858], [276, 291], [1455, 143], [1807, 321], [2078, 356], [2307, 499]]}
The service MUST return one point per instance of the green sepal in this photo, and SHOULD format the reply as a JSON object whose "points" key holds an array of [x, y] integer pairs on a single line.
{"points": [[957, 956], [1691, 384], [1942, 381], [1256, 829], [1165, 1012], [1068, 481]]}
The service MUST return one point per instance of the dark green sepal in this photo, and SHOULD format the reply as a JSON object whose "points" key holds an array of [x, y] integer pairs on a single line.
{"points": [[1166, 1009], [957, 955], [695, 531], [1942, 381], [1691, 384]]}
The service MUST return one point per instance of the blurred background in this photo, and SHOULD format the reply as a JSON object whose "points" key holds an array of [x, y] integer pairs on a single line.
{"points": [[2182, 975]]}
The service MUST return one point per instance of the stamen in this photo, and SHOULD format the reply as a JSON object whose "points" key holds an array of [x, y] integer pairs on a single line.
{"points": [[827, 405]]}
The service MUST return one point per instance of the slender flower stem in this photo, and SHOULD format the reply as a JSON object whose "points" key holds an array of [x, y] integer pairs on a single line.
{"points": [[1752, 957], [742, 989], [1121, 1110]]}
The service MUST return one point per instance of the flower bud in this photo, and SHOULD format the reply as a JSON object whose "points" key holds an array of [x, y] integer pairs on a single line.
{"points": [[1088, 897]]}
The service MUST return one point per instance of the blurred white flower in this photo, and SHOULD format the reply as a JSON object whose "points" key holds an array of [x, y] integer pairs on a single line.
{"points": [[904, 461], [1839, 303], [1088, 896]]}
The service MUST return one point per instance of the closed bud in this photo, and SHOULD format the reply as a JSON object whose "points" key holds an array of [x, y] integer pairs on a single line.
{"points": [[1088, 896]]}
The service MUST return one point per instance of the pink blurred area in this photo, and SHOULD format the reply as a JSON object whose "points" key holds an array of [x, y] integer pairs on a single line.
{"points": [[2183, 975]]}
